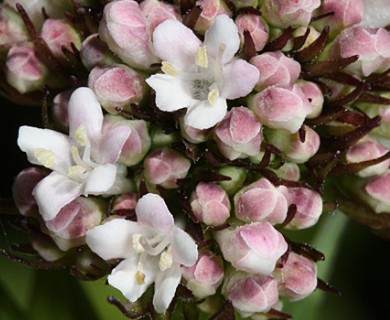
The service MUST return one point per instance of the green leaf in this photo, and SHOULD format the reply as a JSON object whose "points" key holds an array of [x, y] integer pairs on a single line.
{"points": [[57, 295], [9, 308]]}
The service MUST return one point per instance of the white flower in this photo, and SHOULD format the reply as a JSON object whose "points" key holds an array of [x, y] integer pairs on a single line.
{"points": [[376, 13], [83, 162], [200, 77], [152, 248]]}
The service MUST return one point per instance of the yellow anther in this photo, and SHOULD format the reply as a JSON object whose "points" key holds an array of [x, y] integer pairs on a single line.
{"points": [[166, 260], [75, 172], [168, 68], [45, 157], [136, 241], [213, 96], [201, 59], [140, 277], [81, 136]]}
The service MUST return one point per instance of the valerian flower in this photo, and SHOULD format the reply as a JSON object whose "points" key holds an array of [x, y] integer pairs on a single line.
{"points": [[153, 249], [83, 163], [200, 77]]}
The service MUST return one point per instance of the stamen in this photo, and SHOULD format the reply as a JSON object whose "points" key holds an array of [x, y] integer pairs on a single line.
{"points": [[166, 260], [76, 156], [137, 243], [45, 157], [140, 277], [153, 251], [75, 172], [201, 58], [81, 136], [213, 96], [168, 68], [218, 64]]}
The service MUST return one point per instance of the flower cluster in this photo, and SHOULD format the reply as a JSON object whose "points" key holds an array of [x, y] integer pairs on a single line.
{"points": [[182, 140]]}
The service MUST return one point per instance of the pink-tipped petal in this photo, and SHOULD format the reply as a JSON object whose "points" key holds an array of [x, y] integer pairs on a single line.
{"points": [[112, 143]]}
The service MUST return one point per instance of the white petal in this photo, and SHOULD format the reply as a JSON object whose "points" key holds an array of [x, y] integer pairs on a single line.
{"points": [[376, 13], [152, 211], [240, 77], [165, 288], [112, 143], [31, 139], [175, 43], [204, 115], [100, 180], [123, 277], [184, 248], [222, 32], [113, 239], [171, 95], [54, 192], [84, 110]]}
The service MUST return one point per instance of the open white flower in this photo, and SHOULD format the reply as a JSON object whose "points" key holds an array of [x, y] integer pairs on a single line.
{"points": [[200, 77], [83, 163], [153, 249]]}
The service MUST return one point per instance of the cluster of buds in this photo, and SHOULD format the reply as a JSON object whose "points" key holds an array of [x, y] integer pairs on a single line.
{"points": [[182, 141]]}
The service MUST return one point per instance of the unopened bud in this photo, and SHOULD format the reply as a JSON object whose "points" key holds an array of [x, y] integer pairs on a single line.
{"points": [[210, 10], [256, 27]]}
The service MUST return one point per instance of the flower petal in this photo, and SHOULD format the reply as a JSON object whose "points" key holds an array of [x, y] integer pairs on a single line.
{"points": [[240, 77], [152, 211], [113, 239], [100, 179], [165, 288], [31, 139], [376, 13], [54, 192], [84, 110], [112, 143], [222, 32], [204, 116], [175, 43], [170, 94], [123, 277], [184, 249]]}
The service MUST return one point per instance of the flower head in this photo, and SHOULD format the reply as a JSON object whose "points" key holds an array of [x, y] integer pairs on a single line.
{"points": [[83, 163], [153, 249], [202, 76]]}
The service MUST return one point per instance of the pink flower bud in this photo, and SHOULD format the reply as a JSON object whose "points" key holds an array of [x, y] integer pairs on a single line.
{"points": [[368, 149], [205, 276], [297, 278], [345, 14], [372, 45], [156, 12], [379, 190], [256, 27], [60, 108], [210, 204], [281, 107], [22, 189], [275, 68], [251, 293], [289, 171], [95, 52], [292, 147], [127, 34], [314, 94], [254, 248], [281, 13], [137, 144], [45, 247], [239, 134], [165, 166], [116, 87], [24, 71], [309, 207], [76, 218], [210, 10], [58, 33], [194, 135], [126, 201], [12, 28], [261, 201]]}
